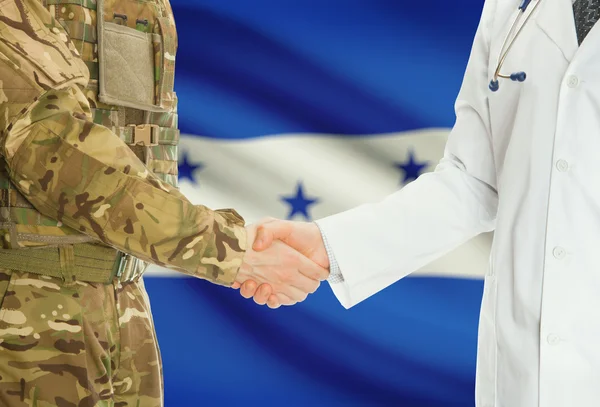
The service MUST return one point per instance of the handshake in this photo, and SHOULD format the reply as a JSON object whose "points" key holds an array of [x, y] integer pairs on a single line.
{"points": [[284, 262]]}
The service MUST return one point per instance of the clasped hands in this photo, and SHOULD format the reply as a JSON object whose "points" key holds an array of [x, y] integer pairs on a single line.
{"points": [[285, 262]]}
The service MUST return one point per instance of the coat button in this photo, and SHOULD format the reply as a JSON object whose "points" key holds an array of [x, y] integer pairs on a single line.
{"points": [[55, 30], [559, 253], [71, 15], [572, 81], [562, 165], [553, 339]]}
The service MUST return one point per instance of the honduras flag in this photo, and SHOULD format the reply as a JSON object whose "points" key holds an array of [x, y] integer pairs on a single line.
{"points": [[300, 109]]}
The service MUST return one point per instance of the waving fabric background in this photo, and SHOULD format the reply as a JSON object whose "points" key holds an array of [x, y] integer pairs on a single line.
{"points": [[299, 109]]}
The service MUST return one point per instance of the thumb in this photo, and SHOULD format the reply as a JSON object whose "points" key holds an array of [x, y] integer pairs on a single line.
{"points": [[266, 233]]}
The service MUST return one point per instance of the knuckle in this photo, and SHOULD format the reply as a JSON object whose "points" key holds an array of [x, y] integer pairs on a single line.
{"points": [[316, 275], [264, 290]]}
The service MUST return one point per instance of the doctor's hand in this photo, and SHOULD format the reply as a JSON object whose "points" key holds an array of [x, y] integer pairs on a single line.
{"points": [[288, 274], [304, 237]]}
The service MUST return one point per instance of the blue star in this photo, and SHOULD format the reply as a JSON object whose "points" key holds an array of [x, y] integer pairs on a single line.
{"points": [[412, 169], [299, 203], [187, 169]]}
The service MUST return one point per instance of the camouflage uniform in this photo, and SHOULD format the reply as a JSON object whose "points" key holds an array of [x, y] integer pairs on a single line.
{"points": [[88, 197]]}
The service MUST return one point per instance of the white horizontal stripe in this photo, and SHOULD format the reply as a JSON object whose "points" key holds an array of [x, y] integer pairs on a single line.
{"points": [[342, 172]]}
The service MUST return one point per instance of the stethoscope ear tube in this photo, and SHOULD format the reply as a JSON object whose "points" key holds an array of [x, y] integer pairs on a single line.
{"points": [[518, 77]]}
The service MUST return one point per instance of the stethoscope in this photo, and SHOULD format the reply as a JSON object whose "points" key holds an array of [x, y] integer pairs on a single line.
{"points": [[507, 45]]}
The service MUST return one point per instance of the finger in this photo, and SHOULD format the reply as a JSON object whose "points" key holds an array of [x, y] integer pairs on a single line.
{"points": [[310, 269], [263, 293], [294, 294], [273, 302], [304, 284], [284, 300], [267, 219], [236, 285], [264, 239], [248, 289], [266, 233], [316, 287]]}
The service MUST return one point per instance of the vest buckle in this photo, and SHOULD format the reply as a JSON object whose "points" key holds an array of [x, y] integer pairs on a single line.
{"points": [[144, 134]]}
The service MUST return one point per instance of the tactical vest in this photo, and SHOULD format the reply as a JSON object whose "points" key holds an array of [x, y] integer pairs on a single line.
{"points": [[129, 48]]}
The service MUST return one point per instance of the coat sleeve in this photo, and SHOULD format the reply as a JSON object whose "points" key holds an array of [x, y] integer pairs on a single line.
{"points": [[81, 173], [377, 244]]}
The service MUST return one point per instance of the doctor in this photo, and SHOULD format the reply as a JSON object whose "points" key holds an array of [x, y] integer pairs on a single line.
{"points": [[523, 159]]}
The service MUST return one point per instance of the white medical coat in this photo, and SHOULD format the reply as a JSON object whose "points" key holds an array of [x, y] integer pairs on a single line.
{"points": [[525, 162]]}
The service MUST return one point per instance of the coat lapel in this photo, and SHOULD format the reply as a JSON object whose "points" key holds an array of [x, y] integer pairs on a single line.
{"points": [[555, 18]]}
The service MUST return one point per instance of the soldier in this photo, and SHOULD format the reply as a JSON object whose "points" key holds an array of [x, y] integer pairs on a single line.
{"points": [[88, 197]]}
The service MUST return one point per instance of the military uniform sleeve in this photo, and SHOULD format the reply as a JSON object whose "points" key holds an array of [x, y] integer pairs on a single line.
{"points": [[81, 173]]}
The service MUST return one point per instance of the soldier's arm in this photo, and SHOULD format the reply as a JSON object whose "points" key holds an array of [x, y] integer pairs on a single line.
{"points": [[82, 174]]}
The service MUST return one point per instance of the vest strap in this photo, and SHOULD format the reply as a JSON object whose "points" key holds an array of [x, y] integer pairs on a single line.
{"points": [[147, 134]]}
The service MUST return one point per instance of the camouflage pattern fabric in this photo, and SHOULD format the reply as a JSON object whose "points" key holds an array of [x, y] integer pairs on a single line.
{"points": [[66, 177], [81, 345], [79, 173]]}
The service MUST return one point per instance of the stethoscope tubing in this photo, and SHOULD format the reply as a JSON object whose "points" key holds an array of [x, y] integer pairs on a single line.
{"points": [[507, 44]]}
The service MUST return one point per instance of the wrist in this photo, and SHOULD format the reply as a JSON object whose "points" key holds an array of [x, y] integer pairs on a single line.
{"points": [[322, 250]]}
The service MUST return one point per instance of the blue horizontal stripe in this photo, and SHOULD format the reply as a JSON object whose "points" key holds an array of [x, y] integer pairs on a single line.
{"points": [[414, 344], [249, 69]]}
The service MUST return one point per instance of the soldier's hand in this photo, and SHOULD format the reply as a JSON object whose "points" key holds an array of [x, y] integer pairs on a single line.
{"points": [[302, 236], [262, 294], [288, 275]]}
